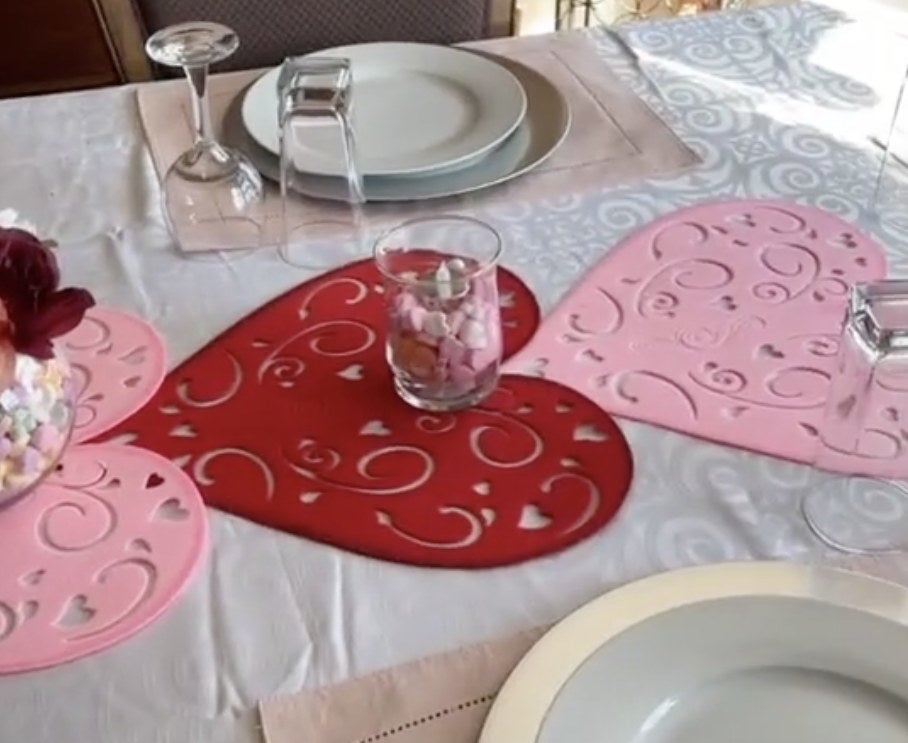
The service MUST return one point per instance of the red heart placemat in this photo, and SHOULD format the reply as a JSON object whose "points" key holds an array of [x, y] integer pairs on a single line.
{"points": [[289, 419]]}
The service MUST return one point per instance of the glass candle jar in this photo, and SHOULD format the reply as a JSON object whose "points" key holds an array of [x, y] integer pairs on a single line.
{"points": [[444, 340], [36, 419]]}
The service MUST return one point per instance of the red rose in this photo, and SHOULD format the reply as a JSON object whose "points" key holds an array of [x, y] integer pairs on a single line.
{"points": [[36, 310], [7, 352]]}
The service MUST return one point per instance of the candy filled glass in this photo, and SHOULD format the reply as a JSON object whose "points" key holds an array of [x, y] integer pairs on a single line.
{"points": [[444, 321], [36, 418]]}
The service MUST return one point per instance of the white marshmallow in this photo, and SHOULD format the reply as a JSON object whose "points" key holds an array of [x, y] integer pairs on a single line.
{"points": [[443, 282], [436, 324], [473, 335]]}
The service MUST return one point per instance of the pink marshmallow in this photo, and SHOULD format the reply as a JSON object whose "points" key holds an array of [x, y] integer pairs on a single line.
{"points": [[473, 335], [31, 461], [402, 303], [482, 358], [451, 351], [46, 438], [427, 339], [461, 374], [416, 318], [456, 320], [483, 288]]}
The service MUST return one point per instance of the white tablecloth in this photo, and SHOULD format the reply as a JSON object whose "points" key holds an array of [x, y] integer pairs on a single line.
{"points": [[779, 103]]}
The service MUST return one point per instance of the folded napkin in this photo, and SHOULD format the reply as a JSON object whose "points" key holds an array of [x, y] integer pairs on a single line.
{"points": [[443, 698], [614, 136]]}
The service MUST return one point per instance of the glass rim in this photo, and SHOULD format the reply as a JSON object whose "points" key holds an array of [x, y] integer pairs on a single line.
{"points": [[881, 340], [485, 265], [317, 61]]}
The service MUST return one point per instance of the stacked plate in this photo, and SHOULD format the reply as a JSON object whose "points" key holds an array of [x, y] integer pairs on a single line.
{"points": [[430, 121]]}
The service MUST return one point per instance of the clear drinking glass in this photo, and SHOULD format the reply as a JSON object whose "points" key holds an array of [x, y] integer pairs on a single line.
{"points": [[444, 320], [212, 194], [865, 429], [315, 96]]}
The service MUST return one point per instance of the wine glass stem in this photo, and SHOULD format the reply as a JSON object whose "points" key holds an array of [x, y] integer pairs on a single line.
{"points": [[888, 146], [197, 75]]}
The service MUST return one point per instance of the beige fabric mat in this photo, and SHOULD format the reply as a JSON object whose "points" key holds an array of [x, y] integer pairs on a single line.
{"points": [[442, 698], [614, 136]]}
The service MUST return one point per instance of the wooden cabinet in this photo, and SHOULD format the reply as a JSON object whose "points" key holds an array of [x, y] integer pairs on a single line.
{"points": [[50, 45]]}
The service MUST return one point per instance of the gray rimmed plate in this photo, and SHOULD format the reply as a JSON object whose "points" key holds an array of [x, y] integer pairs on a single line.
{"points": [[419, 108], [543, 129]]}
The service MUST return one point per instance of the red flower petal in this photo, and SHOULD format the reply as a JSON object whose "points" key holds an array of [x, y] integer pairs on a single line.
{"points": [[9, 235], [59, 313], [25, 260], [7, 363]]}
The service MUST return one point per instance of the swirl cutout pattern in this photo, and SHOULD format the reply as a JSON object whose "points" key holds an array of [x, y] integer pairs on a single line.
{"points": [[313, 439], [730, 312], [502, 429], [131, 529], [110, 539], [119, 361]]}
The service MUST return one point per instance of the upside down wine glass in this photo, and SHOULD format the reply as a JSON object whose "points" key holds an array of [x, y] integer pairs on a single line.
{"points": [[212, 194], [887, 156]]}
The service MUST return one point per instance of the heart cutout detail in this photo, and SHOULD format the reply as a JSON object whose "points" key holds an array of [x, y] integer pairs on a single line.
{"points": [[374, 428], [77, 612], [295, 457], [118, 362], [88, 565], [720, 321], [532, 519]]}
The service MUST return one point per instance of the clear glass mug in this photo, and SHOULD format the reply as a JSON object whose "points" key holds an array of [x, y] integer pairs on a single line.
{"points": [[315, 96], [444, 339], [856, 497]]}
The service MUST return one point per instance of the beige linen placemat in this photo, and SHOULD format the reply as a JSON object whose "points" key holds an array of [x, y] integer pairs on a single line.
{"points": [[614, 136], [442, 698]]}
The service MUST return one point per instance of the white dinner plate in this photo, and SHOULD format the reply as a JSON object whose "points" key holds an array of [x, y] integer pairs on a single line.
{"points": [[733, 653], [416, 108], [547, 122]]}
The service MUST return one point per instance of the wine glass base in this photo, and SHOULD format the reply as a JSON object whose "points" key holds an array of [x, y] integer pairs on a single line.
{"points": [[208, 162], [213, 201], [323, 245], [193, 43], [217, 239], [858, 515]]}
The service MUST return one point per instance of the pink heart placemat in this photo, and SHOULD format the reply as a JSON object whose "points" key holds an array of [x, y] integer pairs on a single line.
{"points": [[720, 320], [108, 542], [119, 362]]}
